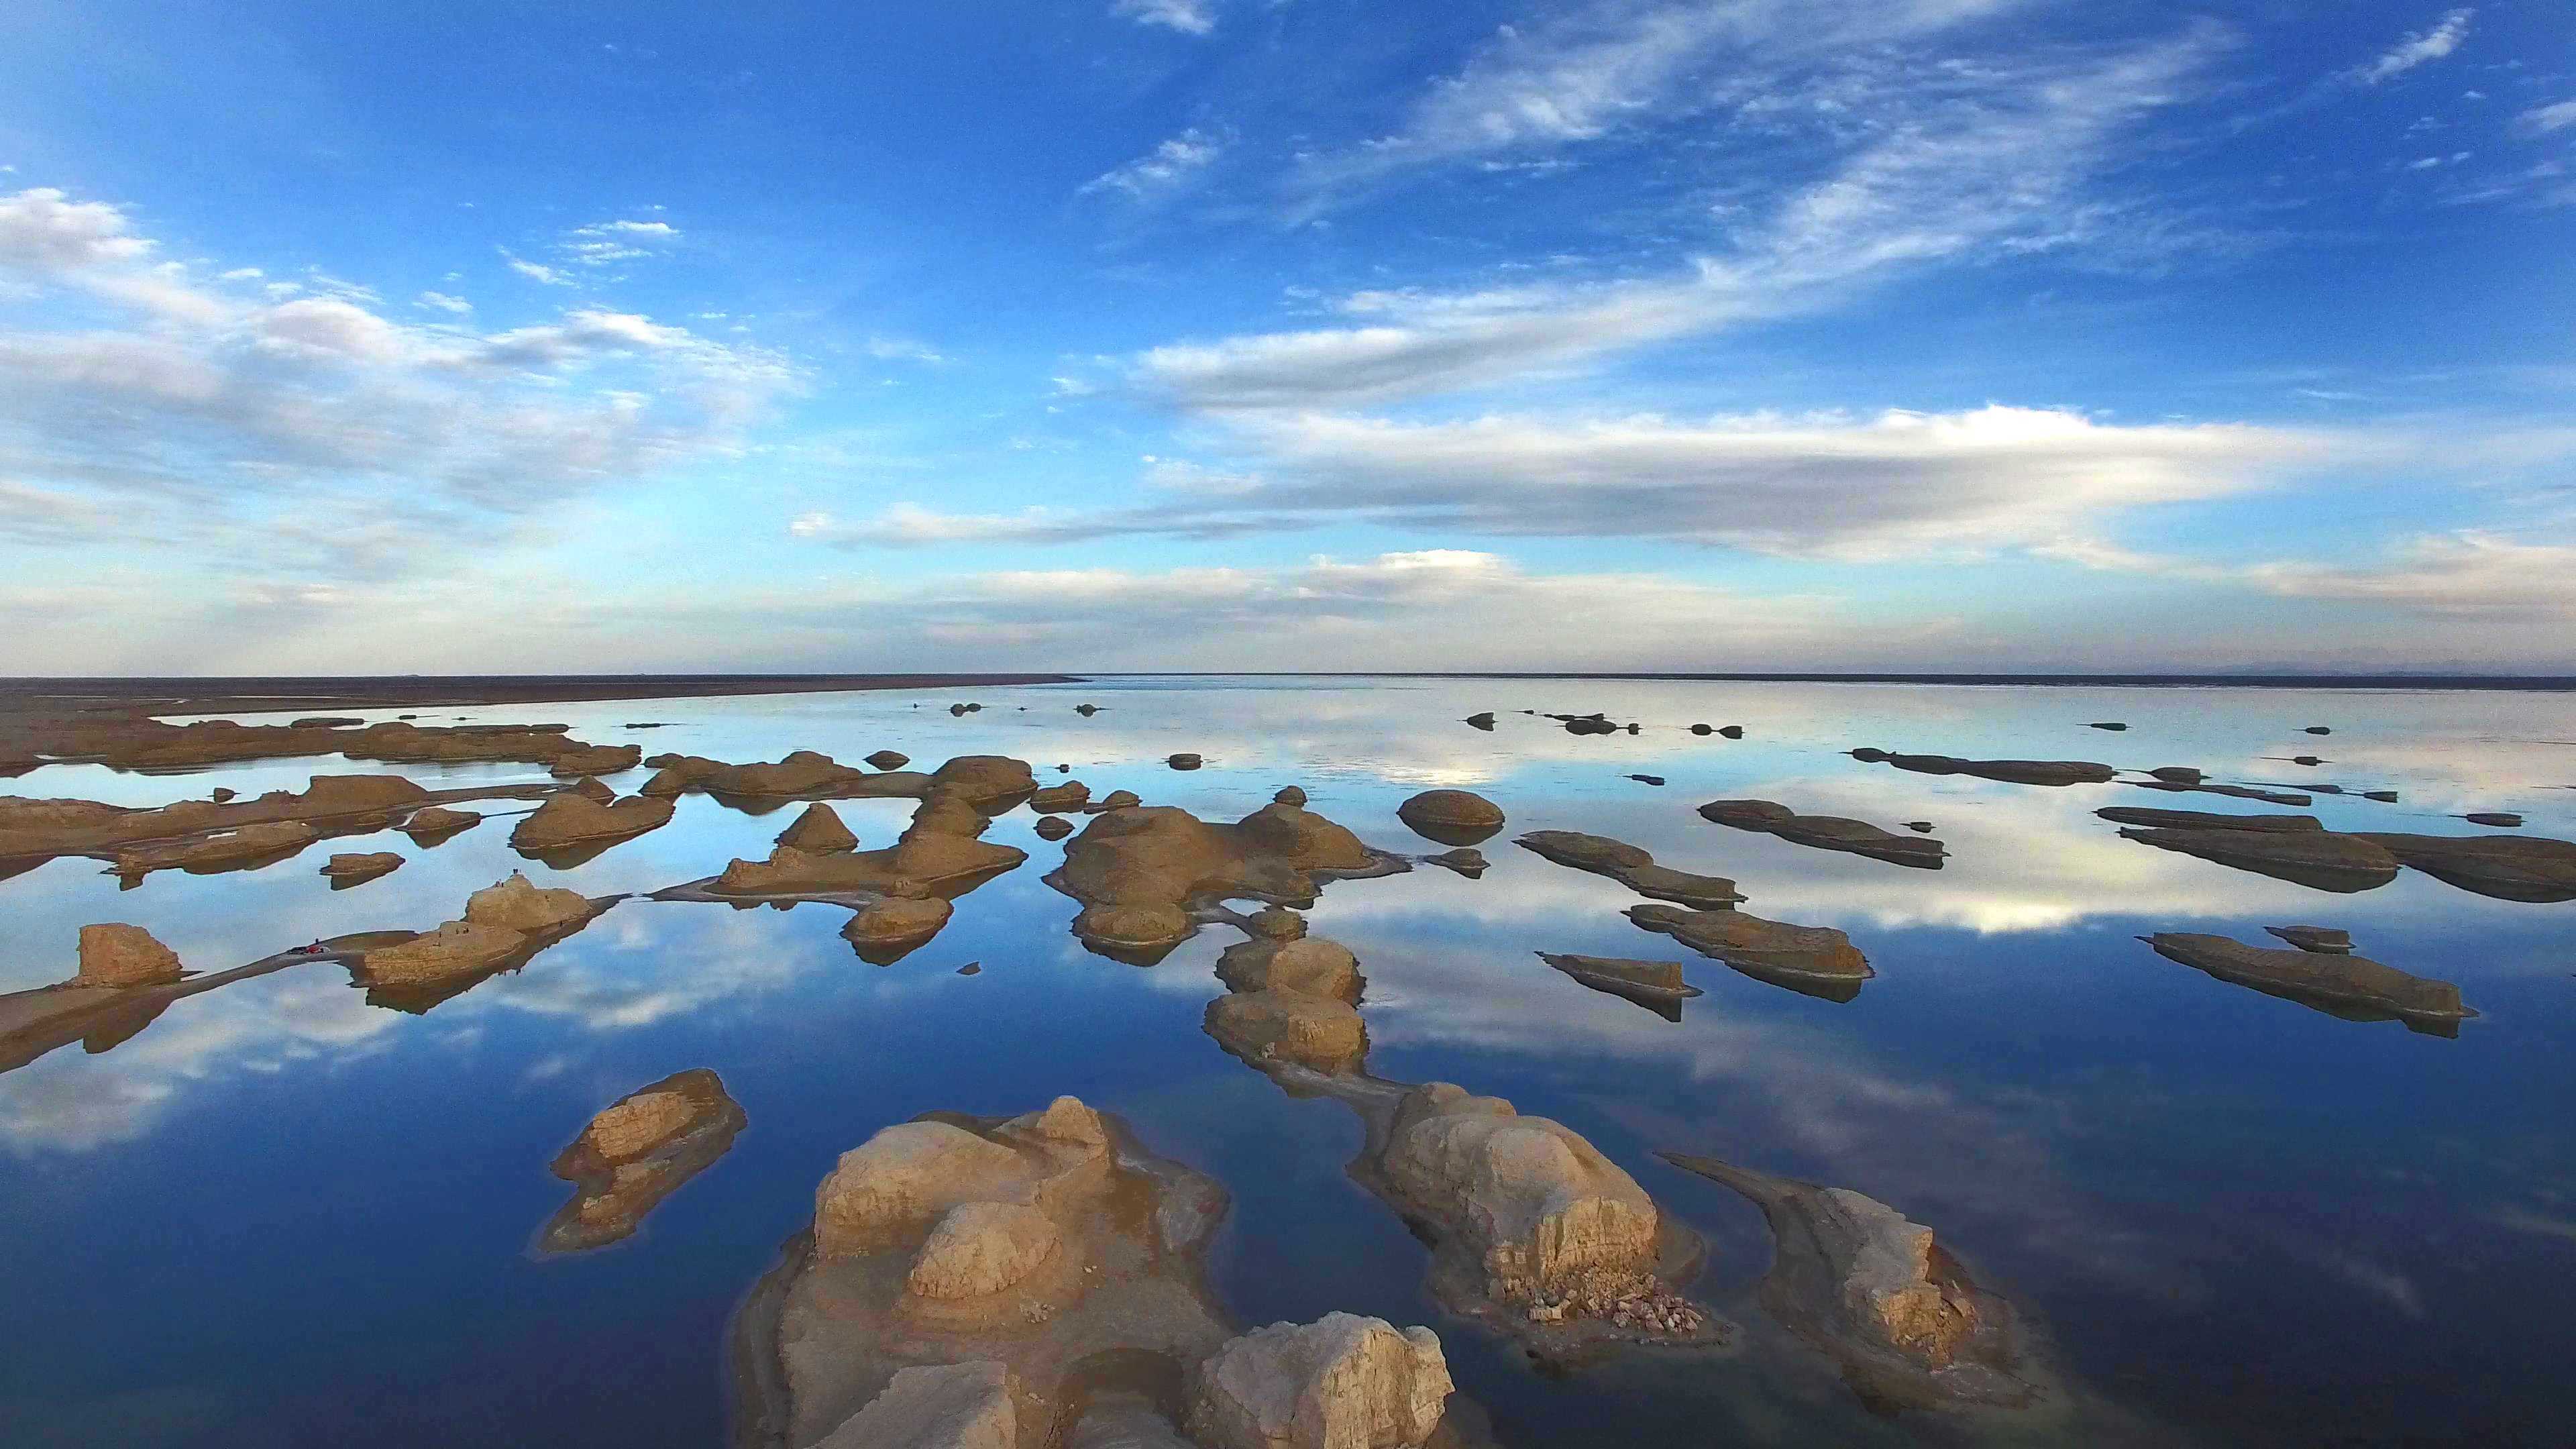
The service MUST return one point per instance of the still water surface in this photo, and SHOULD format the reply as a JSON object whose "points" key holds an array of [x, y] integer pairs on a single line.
{"points": [[281, 1217]]}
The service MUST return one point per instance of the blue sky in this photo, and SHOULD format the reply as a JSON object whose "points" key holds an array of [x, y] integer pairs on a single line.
{"points": [[1274, 334]]}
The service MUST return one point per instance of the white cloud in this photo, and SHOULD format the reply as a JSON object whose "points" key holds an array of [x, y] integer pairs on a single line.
{"points": [[536, 271], [442, 302], [2540, 120], [1189, 17], [2417, 49], [1989, 175], [1166, 168], [1819, 484], [2471, 573], [904, 349]]}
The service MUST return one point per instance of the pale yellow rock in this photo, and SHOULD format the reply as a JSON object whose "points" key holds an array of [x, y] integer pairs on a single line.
{"points": [[1541, 1203], [981, 1248], [116, 954], [908, 1172], [639, 1124], [1342, 1382], [943, 1406], [517, 904]]}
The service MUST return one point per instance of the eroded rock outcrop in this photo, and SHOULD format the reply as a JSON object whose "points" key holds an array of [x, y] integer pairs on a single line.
{"points": [[1139, 871], [638, 1151], [247, 848], [2238, 792], [885, 931], [329, 805], [802, 775], [1826, 832], [818, 831], [2506, 867], [2319, 859], [1059, 799], [2324, 940], [1342, 1382], [1040, 1244], [1451, 817], [1655, 985], [349, 870], [438, 823], [1631, 866], [1816, 960], [2340, 985], [940, 853], [1853, 1277], [144, 744], [117, 954], [503, 926], [2011, 772], [2207, 820], [568, 821]]}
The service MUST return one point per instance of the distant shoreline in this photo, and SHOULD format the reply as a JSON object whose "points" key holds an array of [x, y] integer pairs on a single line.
{"points": [[253, 694], [2536, 683]]}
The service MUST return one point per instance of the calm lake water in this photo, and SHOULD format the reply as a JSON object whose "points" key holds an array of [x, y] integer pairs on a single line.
{"points": [[279, 1216]]}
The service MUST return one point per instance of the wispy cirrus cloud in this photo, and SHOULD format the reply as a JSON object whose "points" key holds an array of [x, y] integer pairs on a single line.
{"points": [[2470, 573], [1167, 168], [2421, 48], [1189, 17]]}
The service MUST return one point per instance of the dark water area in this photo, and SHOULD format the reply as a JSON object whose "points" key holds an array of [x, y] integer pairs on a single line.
{"points": [[280, 1216]]}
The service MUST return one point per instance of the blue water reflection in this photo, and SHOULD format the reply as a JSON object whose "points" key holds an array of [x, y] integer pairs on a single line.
{"points": [[278, 1215]]}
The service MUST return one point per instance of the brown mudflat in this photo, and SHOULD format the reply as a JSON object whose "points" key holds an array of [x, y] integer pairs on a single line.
{"points": [[252, 694]]}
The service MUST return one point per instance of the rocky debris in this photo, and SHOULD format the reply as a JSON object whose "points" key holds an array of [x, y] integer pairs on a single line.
{"points": [[2207, 820], [2506, 867], [1853, 1277], [1138, 872], [2319, 859], [1289, 795], [1654, 985], [1086, 710], [247, 848], [1532, 1228], [994, 1260], [2178, 775], [503, 925], [1466, 860], [884, 932], [1482, 721], [637, 1152], [567, 820], [2107, 724], [2324, 940], [1058, 799], [888, 760], [116, 954], [1631, 866], [2500, 819], [1277, 923], [803, 774], [438, 823], [1053, 827], [1817, 960], [818, 831], [2010, 772], [348, 870], [1825, 832], [1183, 761], [1342, 1382], [2340, 985], [597, 760], [2239, 792], [1451, 817], [1647, 779], [593, 789]]}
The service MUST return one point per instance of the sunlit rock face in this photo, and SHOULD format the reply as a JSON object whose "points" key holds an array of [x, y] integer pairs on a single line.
{"points": [[638, 1151], [1137, 870]]}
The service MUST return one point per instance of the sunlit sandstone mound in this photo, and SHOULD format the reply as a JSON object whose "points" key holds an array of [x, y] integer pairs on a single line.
{"points": [[2332, 981], [2011, 772], [940, 852], [637, 1152], [818, 831], [1631, 866], [1290, 1001], [1138, 871], [503, 926], [1817, 960], [1851, 1276], [569, 819], [1827, 832], [1036, 1282], [1532, 1226], [1451, 817], [802, 774], [115, 954]]}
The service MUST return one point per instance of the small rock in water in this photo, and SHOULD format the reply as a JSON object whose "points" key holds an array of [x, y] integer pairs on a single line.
{"points": [[2305, 760], [2386, 797], [889, 759], [2319, 730], [971, 968], [1647, 779], [1053, 827], [1483, 721], [1086, 710], [2178, 775], [221, 794], [1703, 729], [2502, 818], [1732, 732], [1184, 761], [2108, 724], [1919, 827]]}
